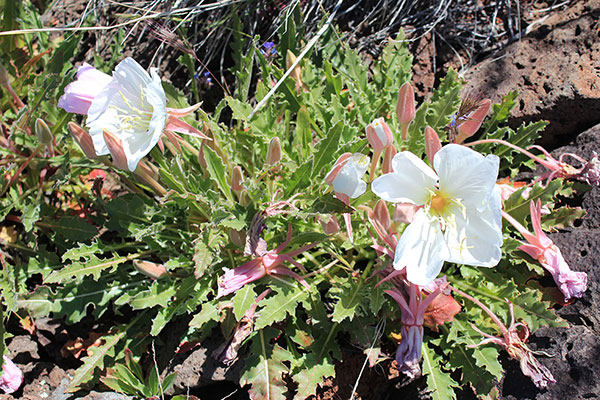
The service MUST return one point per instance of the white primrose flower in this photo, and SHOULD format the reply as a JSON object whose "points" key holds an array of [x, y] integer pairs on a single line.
{"points": [[346, 176], [133, 108], [460, 219]]}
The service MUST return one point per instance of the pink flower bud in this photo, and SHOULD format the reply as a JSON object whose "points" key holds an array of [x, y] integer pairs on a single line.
{"points": [[471, 126], [237, 178], [379, 135], [386, 167], [330, 224], [274, 151], [43, 132], [79, 94], [12, 376], [382, 214], [83, 139], [432, 143], [116, 149], [405, 108], [153, 270]]}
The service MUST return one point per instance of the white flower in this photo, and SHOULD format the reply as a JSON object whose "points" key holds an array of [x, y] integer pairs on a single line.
{"points": [[133, 108], [460, 220], [346, 176]]}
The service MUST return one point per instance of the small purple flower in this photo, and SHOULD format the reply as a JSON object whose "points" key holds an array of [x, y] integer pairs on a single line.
{"points": [[268, 45], [11, 378]]}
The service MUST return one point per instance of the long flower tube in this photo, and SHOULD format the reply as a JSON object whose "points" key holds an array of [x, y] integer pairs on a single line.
{"points": [[540, 247], [408, 354]]}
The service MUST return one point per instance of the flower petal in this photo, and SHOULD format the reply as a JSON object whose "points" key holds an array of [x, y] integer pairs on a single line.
{"points": [[411, 182], [476, 237], [421, 249], [466, 174]]}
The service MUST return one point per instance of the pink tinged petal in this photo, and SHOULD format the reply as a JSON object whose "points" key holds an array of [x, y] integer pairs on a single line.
{"points": [[571, 283], [390, 152], [183, 112], [421, 249], [236, 278], [405, 212], [476, 237], [349, 178], [337, 167], [78, 95], [348, 222], [466, 174], [178, 125], [411, 182], [11, 378], [535, 252]]}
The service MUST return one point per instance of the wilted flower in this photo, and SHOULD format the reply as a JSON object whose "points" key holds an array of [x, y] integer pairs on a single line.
{"points": [[460, 220], [346, 176], [79, 95], [267, 263], [11, 378], [540, 246], [408, 354]]}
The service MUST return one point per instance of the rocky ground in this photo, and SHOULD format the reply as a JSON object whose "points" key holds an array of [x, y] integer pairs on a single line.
{"points": [[556, 68]]}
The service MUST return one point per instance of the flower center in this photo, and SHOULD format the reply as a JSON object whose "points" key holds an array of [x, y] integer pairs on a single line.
{"points": [[438, 202]]}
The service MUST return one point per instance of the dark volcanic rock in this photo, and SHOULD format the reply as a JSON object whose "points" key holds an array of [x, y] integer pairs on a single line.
{"points": [[576, 350], [556, 69]]}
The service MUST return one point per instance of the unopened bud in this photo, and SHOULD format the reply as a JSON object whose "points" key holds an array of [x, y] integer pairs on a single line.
{"points": [[432, 143], [43, 132], [382, 214], [296, 73], [474, 121], [83, 139], [237, 178], [274, 151], [238, 238], [115, 147], [405, 108], [153, 270], [330, 224], [245, 199], [379, 135]]}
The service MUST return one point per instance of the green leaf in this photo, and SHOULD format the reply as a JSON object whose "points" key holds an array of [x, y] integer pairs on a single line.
{"points": [[439, 382], [216, 171], [86, 372], [203, 258], [31, 214], [312, 374], [303, 133], [519, 208], [241, 110], [327, 148], [277, 307], [91, 266], [209, 312], [243, 299], [265, 368], [160, 293], [328, 204], [72, 228], [350, 294]]}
